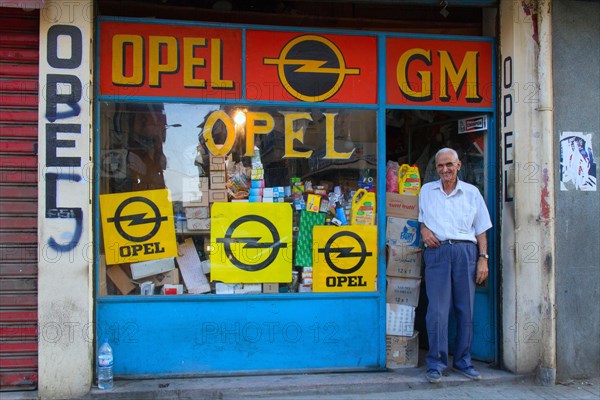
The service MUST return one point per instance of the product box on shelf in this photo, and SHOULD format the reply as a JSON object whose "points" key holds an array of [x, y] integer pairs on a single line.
{"points": [[402, 351]]}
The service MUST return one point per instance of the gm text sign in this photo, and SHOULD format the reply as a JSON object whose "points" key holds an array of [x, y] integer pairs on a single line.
{"points": [[344, 258], [251, 242], [193, 61], [446, 73], [137, 226]]}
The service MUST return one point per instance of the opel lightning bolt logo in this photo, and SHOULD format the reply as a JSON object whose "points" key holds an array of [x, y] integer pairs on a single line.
{"points": [[345, 252], [311, 68], [251, 243], [137, 219]]}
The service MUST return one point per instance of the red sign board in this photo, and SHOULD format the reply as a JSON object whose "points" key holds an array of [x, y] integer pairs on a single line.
{"points": [[162, 60], [170, 61], [311, 67], [445, 73]]}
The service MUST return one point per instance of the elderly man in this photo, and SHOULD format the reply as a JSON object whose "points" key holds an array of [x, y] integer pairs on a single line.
{"points": [[454, 219]]}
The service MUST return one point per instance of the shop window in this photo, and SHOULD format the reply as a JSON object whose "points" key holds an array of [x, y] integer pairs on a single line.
{"points": [[312, 162]]}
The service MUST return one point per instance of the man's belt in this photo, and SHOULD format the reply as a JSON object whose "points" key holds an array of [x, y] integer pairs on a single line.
{"points": [[452, 241]]}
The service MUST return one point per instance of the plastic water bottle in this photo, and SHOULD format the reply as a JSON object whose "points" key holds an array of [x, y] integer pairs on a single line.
{"points": [[105, 365]]}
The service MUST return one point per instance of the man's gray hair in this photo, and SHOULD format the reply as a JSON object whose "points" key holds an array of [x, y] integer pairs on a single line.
{"points": [[446, 150]]}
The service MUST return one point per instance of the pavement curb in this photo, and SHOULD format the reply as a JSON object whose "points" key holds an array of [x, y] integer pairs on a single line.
{"points": [[279, 386]]}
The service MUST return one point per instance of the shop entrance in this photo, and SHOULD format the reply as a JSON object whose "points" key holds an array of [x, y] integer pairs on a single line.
{"points": [[413, 137]]}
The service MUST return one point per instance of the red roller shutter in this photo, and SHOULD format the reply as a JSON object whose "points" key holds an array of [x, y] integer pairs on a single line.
{"points": [[19, 42]]}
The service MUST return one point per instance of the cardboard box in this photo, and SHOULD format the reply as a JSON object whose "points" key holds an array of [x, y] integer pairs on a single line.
{"points": [[121, 280], [198, 224], [152, 267], [404, 261], [217, 163], [218, 179], [238, 288], [403, 232], [203, 183], [198, 199], [169, 277], [270, 287], [402, 206], [197, 212], [402, 351], [403, 291], [400, 319], [217, 195], [205, 265], [305, 287]]}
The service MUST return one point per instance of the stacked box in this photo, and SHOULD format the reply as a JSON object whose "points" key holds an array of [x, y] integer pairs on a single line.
{"points": [[270, 287], [218, 179], [403, 275], [195, 194], [404, 261], [197, 218], [198, 224], [400, 319], [402, 351], [238, 288], [273, 194], [403, 291]]}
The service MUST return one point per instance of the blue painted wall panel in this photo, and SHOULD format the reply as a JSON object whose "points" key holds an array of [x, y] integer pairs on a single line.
{"points": [[281, 332]]}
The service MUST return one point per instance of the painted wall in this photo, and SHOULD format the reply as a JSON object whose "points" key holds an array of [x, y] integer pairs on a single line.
{"points": [[577, 100], [66, 332]]}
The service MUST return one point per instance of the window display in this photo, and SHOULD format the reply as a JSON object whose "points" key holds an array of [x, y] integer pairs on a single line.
{"points": [[223, 199]]}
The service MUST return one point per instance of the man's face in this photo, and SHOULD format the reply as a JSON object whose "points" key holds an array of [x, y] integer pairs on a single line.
{"points": [[447, 168]]}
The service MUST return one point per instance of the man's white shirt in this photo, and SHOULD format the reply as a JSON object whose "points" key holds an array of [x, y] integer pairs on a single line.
{"points": [[461, 215]]}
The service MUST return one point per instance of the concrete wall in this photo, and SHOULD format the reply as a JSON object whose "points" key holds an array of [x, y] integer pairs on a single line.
{"points": [[576, 59], [65, 311], [527, 290]]}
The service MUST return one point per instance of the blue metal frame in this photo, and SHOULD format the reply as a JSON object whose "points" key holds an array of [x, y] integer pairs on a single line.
{"points": [[203, 334]]}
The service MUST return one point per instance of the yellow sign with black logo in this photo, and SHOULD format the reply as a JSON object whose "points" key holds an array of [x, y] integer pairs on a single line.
{"points": [[345, 258], [251, 243], [137, 226]]}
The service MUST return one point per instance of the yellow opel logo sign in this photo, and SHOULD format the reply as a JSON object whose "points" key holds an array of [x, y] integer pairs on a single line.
{"points": [[251, 242], [137, 226], [311, 68]]}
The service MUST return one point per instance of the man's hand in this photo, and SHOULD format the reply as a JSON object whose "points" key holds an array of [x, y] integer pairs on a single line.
{"points": [[428, 237], [482, 270]]}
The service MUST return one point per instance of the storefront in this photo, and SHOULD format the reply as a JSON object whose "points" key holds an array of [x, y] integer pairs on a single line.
{"points": [[240, 188]]}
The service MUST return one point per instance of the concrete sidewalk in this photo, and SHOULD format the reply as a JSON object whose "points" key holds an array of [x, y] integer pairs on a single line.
{"points": [[409, 383], [288, 386]]}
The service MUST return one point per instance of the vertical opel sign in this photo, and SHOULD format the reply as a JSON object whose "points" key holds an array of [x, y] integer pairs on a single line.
{"points": [[64, 207]]}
